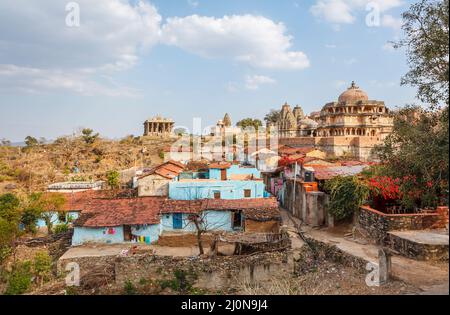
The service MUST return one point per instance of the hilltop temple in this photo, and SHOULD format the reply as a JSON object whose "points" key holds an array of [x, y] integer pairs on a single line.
{"points": [[353, 124], [159, 127]]}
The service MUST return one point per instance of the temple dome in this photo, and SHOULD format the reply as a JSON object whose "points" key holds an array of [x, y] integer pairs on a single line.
{"points": [[353, 95]]}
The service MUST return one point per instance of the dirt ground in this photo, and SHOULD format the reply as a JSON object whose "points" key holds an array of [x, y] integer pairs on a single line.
{"points": [[426, 277]]}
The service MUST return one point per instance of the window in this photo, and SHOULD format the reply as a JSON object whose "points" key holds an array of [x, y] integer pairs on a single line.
{"points": [[217, 195], [237, 220], [247, 193]]}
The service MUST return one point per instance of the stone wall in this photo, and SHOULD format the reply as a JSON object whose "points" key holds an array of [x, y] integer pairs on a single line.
{"points": [[417, 250], [217, 274], [377, 224], [358, 146]]}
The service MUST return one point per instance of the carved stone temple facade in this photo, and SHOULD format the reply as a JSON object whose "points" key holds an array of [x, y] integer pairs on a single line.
{"points": [[352, 125], [159, 126]]}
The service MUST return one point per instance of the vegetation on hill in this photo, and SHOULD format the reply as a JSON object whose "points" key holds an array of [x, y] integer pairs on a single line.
{"points": [[83, 157]]}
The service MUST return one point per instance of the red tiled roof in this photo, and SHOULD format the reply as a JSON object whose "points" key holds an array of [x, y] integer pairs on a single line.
{"points": [[170, 170], [220, 165], [254, 208], [77, 201], [116, 212], [147, 210]]}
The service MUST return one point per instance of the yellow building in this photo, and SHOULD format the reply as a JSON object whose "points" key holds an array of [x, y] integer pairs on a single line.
{"points": [[354, 115]]}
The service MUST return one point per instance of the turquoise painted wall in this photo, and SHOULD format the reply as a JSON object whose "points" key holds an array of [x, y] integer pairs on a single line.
{"points": [[97, 235], [147, 230], [235, 170], [83, 235], [216, 221], [55, 219], [205, 190]]}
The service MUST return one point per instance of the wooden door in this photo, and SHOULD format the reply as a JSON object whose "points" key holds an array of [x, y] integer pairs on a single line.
{"points": [[127, 233]]}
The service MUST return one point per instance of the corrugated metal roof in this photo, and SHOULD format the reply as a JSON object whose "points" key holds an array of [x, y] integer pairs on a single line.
{"points": [[328, 172]]}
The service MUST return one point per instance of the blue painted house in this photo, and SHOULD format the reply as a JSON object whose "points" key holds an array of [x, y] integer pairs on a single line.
{"points": [[224, 181], [223, 198]]}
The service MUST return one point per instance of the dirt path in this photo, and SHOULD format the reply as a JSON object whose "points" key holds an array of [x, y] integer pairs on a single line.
{"points": [[431, 278]]}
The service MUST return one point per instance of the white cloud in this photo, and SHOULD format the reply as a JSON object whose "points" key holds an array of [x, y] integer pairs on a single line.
{"points": [[253, 82], [333, 11], [250, 39], [39, 52], [339, 12], [388, 20], [35, 81], [47, 54]]}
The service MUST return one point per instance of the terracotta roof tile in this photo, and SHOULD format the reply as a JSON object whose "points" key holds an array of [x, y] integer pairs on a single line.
{"points": [[220, 165], [170, 170], [147, 210], [116, 212]]}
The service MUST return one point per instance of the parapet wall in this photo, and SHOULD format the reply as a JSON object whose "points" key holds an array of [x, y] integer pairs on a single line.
{"points": [[377, 224]]}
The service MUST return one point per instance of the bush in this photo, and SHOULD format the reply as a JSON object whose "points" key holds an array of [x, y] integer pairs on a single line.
{"points": [[42, 266], [129, 288], [19, 280], [113, 179], [61, 228], [347, 194]]}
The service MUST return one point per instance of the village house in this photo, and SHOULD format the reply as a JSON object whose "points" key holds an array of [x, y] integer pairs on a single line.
{"points": [[145, 219], [156, 181], [75, 193], [299, 179], [229, 198], [223, 181]]}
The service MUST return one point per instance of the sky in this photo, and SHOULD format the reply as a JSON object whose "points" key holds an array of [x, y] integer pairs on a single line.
{"points": [[111, 64]]}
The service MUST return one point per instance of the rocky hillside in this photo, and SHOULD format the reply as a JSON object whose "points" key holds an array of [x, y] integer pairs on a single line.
{"points": [[72, 158]]}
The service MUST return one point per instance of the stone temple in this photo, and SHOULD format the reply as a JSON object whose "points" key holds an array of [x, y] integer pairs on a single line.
{"points": [[352, 125], [159, 127]]}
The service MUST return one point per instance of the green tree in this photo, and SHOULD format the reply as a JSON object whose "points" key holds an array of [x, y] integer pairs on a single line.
{"points": [[31, 141], [5, 142], [426, 27], [47, 205], [113, 179], [20, 278], [9, 223], [419, 147], [29, 219], [10, 208], [42, 265], [88, 135], [347, 194], [250, 123], [273, 116]]}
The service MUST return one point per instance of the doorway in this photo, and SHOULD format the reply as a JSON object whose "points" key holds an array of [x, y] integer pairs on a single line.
{"points": [[127, 236], [177, 221], [223, 174], [237, 221]]}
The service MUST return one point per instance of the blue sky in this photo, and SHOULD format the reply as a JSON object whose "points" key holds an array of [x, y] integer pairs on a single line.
{"points": [[128, 61]]}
